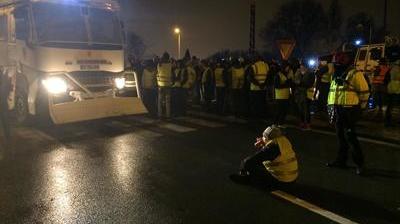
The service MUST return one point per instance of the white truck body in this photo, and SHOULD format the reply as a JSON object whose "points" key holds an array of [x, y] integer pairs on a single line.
{"points": [[65, 58]]}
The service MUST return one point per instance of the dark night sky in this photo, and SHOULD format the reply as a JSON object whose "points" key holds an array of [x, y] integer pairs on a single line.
{"points": [[210, 25]]}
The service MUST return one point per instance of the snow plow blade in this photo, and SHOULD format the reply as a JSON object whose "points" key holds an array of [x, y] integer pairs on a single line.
{"points": [[96, 109]]}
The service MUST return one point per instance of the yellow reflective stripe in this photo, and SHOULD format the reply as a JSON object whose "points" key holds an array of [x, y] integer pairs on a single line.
{"points": [[280, 163], [283, 173]]}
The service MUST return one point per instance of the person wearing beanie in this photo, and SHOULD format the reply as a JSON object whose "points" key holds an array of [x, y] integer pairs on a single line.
{"points": [[273, 164]]}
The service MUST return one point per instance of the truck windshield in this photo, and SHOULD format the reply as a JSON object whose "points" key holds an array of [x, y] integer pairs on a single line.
{"points": [[69, 24]]}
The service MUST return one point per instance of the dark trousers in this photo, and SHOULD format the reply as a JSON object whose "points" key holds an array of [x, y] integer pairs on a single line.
{"points": [[221, 93], [303, 106], [256, 169], [281, 111], [392, 99], [378, 91], [258, 103], [237, 102], [176, 101], [323, 96], [346, 119], [164, 102], [150, 100]]}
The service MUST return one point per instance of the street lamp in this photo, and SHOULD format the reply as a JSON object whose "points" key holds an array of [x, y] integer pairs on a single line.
{"points": [[178, 32]]}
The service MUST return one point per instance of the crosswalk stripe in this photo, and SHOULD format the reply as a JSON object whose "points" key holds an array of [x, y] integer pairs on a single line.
{"points": [[143, 120], [232, 119], [144, 133], [313, 208], [175, 127], [201, 122]]}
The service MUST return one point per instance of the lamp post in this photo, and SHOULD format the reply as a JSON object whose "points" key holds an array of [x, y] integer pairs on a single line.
{"points": [[178, 32]]}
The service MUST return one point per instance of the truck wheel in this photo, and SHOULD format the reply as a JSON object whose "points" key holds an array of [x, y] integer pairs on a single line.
{"points": [[21, 110]]}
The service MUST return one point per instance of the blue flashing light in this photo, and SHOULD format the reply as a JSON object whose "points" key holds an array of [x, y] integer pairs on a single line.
{"points": [[312, 62], [358, 42]]}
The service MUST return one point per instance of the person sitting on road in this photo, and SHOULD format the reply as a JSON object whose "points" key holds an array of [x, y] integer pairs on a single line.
{"points": [[274, 163]]}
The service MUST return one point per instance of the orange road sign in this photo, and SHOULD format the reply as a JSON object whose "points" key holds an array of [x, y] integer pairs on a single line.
{"points": [[286, 48]]}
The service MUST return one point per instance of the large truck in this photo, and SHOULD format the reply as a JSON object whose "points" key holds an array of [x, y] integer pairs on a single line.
{"points": [[65, 59]]}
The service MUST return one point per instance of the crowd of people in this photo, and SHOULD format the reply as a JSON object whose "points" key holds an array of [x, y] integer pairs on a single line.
{"points": [[255, 88], [252, 87]]}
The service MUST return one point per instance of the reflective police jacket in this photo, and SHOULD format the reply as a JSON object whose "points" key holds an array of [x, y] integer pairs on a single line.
{"points": [[282, 87], [284, 167], [164, 75], [219, 76], [259, 71], [353, 90], [237, 78]]}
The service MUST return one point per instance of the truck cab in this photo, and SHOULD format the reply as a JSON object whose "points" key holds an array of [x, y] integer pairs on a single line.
{"points": [[66, 59]]}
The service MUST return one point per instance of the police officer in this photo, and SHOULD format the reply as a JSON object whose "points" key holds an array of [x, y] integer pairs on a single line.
{"points": [[393, 89], [5, 88], [220, 78], [349, 93], [303, 82], [258, 79], [164, 81], [274, 163], [207, 85], [237, 79], [282, 84], [378, 83], [149, 83], [177, 90], [324, 76]]}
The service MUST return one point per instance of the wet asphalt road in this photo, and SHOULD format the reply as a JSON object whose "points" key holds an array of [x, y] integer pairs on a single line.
{"points": [[137, 170]]}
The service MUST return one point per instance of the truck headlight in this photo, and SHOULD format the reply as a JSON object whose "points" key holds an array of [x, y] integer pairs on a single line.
{"points": [[120, 83], [55, 85]]}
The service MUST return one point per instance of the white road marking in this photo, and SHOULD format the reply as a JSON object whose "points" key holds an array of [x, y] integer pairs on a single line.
{"points": [[143, 120], [201, 122], [362, 139], [146, 133], [313, 208], [213, 116], [175, 127]]}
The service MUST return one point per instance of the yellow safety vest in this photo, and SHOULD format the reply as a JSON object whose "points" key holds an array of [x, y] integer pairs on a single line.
{"points": [[237, 78], [282, 93], [284, 168], [149, 79], [178, 78], [164, 75], [219, 77], [260, 70], [355, 91], [394, 84], [191, 79]]}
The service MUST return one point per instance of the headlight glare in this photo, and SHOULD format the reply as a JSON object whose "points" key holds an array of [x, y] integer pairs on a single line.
{"points": [[120, 83], [55, 85]]}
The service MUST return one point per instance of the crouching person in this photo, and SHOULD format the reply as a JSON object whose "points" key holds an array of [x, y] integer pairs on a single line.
{"points": [[274, 163]]}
